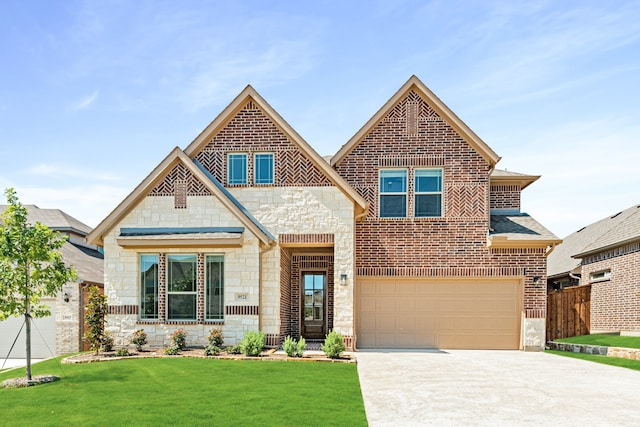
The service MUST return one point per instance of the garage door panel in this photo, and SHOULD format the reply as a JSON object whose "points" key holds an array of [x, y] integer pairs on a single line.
{"points": [[431, 313]]}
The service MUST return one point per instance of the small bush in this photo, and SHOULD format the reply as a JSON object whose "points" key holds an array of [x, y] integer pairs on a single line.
{"points": [[107, 342], [179, 339], [293, 348], [233, 349], [215, 337], [333, 345], [121, 352], [212, 350], [253, 343], [172, 350], [139, 338]]}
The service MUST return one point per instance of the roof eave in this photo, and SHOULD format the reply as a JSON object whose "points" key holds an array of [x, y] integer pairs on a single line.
{"points": [[523, 181], [497, 241], [607, 247]]}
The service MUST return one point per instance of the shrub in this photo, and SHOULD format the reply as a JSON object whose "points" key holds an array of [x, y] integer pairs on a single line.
{"points": [[233, 349], [215, 337], [212, 350], [179, 339], [139, 338], [172, 350], [293, 348], [121, 352], [95, 313], [106, 342], [333, 344], [253, 343]]}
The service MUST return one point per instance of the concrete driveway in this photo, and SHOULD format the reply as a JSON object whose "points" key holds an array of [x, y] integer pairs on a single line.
{"points": [[468, 387]]}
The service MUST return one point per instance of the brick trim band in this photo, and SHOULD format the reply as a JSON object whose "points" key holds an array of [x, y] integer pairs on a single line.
{"points": [[440, 272], [535, 313], [123, 309], [242, 310], [305, 238]]}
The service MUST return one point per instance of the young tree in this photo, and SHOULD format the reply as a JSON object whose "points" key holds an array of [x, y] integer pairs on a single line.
{"points": [[31, 266], [95, 313]]}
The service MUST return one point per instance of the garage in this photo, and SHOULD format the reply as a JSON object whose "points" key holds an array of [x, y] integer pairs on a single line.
{"points": [[478, 313], [43, 336]]}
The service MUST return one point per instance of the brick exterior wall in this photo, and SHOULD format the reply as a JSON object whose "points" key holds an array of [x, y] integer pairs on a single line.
{"points": [[615, 303], [504, 197], [456, 243], [251, 131]]}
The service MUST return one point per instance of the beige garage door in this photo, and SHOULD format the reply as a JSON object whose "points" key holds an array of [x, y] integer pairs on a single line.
{"points": [[432, 313]]}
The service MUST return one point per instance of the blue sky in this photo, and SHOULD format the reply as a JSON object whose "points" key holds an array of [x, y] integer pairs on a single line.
{"points": [[94, 94]]}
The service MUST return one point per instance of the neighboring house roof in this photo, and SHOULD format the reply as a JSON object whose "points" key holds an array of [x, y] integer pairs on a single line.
{"points": [[434, 102], [519, 230], [249, 93], [140, 192], [88, 262], [615, 230], [504, 177]]}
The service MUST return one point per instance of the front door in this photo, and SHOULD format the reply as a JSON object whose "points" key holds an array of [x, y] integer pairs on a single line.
{"points": [[314, 289]]}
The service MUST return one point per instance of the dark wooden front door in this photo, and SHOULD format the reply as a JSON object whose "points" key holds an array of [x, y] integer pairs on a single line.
{"points": [[314, 296]]}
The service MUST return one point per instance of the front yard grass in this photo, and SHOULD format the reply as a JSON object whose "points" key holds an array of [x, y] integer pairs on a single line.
{"points": [[183, 391], [608, 340], [613, 361]]}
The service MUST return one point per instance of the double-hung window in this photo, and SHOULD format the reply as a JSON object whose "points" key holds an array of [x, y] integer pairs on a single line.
{"points": [[393, 193], [181, 287], [148, 287], [263, 168], [214, 287], [428, 192], [237, 168]]}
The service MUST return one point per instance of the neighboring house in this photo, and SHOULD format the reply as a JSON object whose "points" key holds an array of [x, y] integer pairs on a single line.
{"points": [[409, 237], [606, 255], [61, 332]]}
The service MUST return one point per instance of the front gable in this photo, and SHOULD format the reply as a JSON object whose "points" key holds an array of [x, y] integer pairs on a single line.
{"points": [[249, 125]]}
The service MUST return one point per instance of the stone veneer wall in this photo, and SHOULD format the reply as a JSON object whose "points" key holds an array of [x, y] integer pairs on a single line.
{"points": [[68, 319], [615, 303], [241, 271]]}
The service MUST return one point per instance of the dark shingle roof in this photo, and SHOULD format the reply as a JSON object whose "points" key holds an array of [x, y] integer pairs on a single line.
{"points": [[519, 226]]}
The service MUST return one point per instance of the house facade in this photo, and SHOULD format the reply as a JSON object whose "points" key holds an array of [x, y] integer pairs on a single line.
{"points": [[60, 333], [606, 256], [409, 237]]}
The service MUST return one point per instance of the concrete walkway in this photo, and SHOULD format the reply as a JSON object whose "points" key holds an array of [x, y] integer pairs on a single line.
{"points": [[466, 387]]}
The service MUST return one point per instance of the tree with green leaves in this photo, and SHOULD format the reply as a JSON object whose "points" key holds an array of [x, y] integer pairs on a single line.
{"points": [[95, 314], [31, 266]]}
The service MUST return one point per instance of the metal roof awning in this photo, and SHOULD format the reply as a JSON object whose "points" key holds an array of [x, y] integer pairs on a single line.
{"points": [[180, 237]]}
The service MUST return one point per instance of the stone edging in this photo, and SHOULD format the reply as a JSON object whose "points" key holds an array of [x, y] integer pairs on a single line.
{"points": [[621, 352]]}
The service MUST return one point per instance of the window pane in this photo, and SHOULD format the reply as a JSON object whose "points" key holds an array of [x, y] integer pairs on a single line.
{"points": [[317, 313], [149, 286], [181, 273], [237, 168], [428, 180], [264, 168], [308, 313], [214, 287], [308, 281], [393, 181], [428, 205], [181, 306], [393, 206]]}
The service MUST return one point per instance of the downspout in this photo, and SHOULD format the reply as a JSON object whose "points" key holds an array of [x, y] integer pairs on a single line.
{"points": [[578, 278]]}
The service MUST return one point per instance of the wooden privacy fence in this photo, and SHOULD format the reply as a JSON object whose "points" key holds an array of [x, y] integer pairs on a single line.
{"points": [[568, 312]]}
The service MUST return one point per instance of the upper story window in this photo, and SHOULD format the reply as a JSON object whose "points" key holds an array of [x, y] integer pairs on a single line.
{"points": [[263, 166], [393, 193], [428, 193], [181, 287], [599, 276], [237, 168]]}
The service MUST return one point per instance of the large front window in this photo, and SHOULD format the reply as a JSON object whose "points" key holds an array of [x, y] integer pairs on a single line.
{"points": [[428, 192], [214, 305], [181, 287], [149, 286], [393, 193]]}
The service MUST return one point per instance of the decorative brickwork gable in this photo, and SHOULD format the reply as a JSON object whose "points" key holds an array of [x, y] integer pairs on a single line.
{"points": [[251, 131], [178, 182]]}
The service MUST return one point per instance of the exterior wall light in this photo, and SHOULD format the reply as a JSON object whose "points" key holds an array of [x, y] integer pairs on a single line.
{"points": [[65, 297], [343, 279]]}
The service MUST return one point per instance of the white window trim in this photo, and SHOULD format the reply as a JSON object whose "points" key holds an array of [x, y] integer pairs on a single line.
{"points": [[606, 275], [405, 193], [419, 193], [255, 168], [246, 168]]}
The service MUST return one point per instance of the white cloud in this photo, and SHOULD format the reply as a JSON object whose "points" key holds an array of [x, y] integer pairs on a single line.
{"points": [[83, 103]]}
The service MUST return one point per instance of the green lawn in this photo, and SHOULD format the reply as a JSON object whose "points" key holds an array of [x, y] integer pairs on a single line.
{"points": [[184, 391], [604, 339], [614, 361]]}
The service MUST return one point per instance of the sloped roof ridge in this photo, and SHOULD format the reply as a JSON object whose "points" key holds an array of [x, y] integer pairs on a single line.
{"points": [[54, 219], [624, 230]]}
